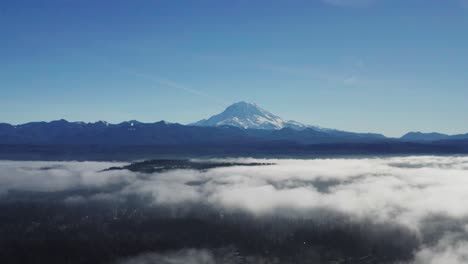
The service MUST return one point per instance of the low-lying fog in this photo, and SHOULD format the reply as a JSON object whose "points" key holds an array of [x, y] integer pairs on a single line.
{"points": [[367, 210]]}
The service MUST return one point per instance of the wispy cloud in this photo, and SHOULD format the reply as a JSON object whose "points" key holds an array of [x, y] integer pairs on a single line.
{"points": [[152, 77], [464, 3], [352, 79], [171, 84], [349, 76], [349, 3], [368, 3]]}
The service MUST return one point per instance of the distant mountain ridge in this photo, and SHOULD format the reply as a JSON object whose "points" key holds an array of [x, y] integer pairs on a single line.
{"points": [[240, 123], [419, 136], [431, 137], [163, 133]]}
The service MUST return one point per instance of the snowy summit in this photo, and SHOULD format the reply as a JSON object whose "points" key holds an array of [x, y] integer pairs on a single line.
{"points": [[248, 116]]}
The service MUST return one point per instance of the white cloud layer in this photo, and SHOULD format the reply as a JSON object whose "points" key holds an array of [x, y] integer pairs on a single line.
{"points": [[399, 190], [57, 176]]}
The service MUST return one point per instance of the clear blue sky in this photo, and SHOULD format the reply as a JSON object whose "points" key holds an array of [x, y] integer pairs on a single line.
{"points": [[387, 66]]}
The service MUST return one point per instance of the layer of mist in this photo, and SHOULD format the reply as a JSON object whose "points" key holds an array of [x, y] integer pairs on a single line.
{"points": [[371, 210]]}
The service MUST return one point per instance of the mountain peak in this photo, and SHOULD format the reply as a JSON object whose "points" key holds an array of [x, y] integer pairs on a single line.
{"points": [[248, 115], [244, 104], [245, 109]]}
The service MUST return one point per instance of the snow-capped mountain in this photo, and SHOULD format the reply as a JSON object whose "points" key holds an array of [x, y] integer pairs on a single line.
{"points": [[249, 116]]}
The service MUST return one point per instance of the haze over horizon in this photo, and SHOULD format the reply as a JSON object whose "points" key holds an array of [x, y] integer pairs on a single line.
{"points": [[379, 66]]}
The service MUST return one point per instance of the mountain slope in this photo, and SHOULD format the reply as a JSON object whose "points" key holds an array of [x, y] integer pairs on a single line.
{"points": [[431, 137], [419, 136], [248, 116]]}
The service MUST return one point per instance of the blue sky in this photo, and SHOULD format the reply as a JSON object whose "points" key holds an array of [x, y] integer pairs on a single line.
{"points": [[387, 66]]}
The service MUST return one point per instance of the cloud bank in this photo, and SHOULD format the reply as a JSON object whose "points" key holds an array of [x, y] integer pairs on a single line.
{"points": [[426, 194]]}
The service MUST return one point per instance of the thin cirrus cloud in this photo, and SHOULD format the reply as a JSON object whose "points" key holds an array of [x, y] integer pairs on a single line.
{"points": [[349, 3], [160, 81], [345, 77], [464, 3], [367, 3]]}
